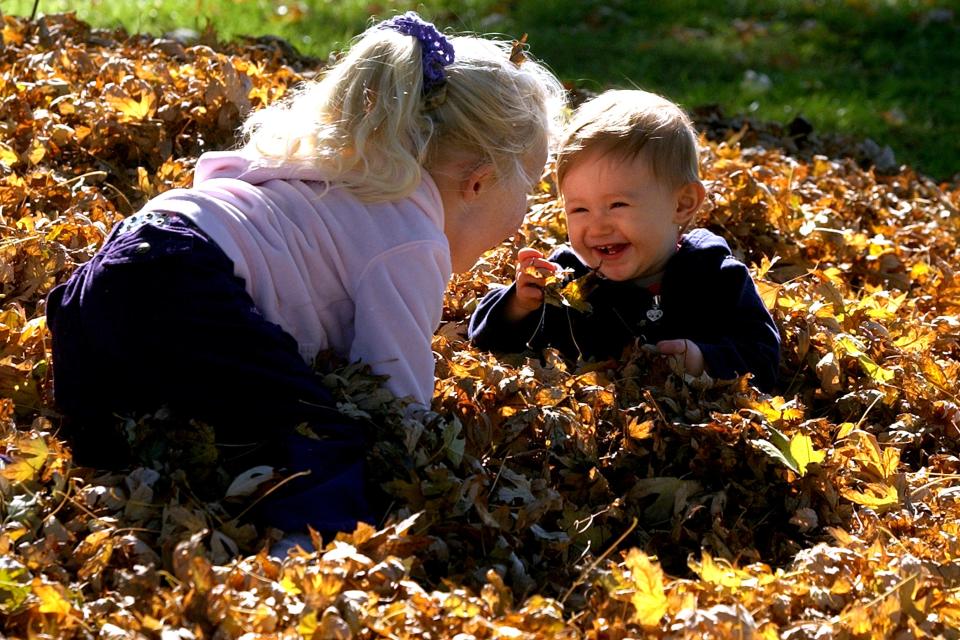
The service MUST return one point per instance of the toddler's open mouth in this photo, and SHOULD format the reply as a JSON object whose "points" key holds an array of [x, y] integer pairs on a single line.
{"points": [[611, 250]]}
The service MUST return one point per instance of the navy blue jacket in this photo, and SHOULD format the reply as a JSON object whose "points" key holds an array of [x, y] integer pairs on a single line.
{"points": [[706, 296]]}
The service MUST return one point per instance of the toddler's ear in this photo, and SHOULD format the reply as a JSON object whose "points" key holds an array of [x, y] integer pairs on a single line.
{"points": [[689, 198]]}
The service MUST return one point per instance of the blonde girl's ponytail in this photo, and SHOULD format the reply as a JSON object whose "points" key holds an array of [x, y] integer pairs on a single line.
{"points": [[370, 124]]}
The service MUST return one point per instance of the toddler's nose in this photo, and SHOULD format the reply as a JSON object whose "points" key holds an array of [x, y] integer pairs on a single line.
{"points": [[600, 227]]}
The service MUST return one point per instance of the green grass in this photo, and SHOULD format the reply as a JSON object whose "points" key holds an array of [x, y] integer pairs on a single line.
{"points": [[884, 69]]}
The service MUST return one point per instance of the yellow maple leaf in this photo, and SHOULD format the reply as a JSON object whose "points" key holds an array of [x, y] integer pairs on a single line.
{"points": [[640, 430], [32, 454], [855, 348], [804, 453], [950, 613], [308, 625], [37, 152], [288, 585], [718, 573], [777, 410], [846, 428], [51, 601], [8, 156], [12, 33], [876, 496], [872, 460], [769, 292], [859, 619], [130, 108], [575, 293], [646, 577]]}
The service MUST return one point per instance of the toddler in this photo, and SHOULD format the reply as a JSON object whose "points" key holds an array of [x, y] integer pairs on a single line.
{"points": [[628, 174], [336, 226]]}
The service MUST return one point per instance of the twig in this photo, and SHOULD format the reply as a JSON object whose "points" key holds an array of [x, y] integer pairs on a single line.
{"points": [[272, 489], [543, 315], [872, 405], [593, 565]]}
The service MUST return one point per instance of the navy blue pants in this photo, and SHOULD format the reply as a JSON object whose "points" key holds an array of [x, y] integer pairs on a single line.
{"points": [[157, 318]]}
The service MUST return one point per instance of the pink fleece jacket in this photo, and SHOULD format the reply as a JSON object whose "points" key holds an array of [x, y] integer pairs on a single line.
{"points": [[366, 280]]}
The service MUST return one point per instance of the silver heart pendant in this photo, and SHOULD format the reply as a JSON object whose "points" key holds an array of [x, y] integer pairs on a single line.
{"points": [[654, 314]]}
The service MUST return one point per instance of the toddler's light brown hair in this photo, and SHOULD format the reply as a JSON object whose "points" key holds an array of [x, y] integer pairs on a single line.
{"points": [[628, 123]]}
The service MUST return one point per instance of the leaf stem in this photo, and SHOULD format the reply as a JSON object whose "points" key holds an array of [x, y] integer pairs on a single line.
{"points": [[600, 558]]}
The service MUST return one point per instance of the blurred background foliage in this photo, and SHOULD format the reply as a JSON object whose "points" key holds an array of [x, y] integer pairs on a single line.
{"points": [[888, 70]]}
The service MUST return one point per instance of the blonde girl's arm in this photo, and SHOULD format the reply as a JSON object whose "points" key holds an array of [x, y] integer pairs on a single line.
{"points": [[398, 304]]}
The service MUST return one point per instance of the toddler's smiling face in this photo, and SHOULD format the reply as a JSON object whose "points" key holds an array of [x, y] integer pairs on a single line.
{"points": [[620, 217]]}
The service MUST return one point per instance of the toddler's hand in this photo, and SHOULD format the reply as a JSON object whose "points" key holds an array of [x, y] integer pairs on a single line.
{"points": [[532, 272], [685, 353]]}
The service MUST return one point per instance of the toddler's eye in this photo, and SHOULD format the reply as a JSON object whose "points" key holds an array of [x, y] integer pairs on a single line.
{"points": [[618, 204]]}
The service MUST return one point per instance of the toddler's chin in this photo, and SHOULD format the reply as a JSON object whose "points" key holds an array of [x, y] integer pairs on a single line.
{"points": [[618, 273], [613, 276]]}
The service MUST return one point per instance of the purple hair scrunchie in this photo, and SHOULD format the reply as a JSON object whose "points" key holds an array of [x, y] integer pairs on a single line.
{"points": [[436, 51]]}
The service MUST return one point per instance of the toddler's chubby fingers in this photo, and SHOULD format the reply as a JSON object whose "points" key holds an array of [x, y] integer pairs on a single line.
{"points": [[527, 253], [532, 272], [672, 347], [686, 352], [531, 262]]}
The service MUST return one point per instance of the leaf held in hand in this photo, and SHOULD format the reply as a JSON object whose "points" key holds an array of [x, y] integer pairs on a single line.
{"points": [[574, 293]]}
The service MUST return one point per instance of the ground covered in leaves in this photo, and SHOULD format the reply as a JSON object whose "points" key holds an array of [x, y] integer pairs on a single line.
{"points": [[539, 498]]}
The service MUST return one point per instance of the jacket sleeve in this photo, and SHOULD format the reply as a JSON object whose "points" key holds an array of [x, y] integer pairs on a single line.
{"points": [[547, 326], [398, 304], [750, 341], [491, 330]]}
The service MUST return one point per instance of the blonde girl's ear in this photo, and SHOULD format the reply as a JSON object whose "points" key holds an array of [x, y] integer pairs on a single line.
{"points": [[689, 198], [478, 181]]}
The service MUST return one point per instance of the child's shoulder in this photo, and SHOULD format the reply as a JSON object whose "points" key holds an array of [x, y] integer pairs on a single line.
{"points": [[702, 241], [703, 246], [700, 252]]}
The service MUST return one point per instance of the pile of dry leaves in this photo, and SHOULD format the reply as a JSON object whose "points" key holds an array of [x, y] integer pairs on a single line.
{"points": [[540, 498]]}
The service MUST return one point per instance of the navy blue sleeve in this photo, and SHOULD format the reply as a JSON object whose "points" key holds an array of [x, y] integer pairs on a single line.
{"points": [[749, 340], [491, 330]]}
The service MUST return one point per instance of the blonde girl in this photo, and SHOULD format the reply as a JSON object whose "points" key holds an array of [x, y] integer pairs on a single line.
{"points": [[336, 226]]}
